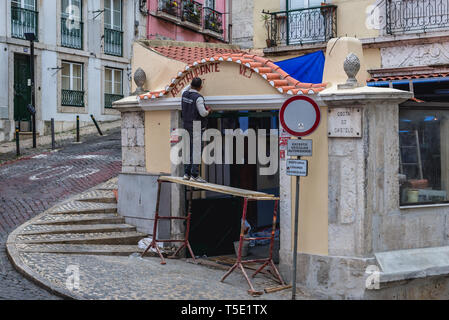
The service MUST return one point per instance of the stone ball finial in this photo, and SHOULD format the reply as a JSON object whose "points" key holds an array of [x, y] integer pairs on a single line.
{"points": [[139, 78], [351, 65]]}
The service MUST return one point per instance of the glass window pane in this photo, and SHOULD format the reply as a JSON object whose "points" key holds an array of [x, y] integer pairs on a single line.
{"points": [[108, 87], [65, 83], [65, 69], [108, 74], [77, 84], [118, 82], [117, 20], [424, 156], [29, 4], [77, 71], [108, 81], [117, 5]]}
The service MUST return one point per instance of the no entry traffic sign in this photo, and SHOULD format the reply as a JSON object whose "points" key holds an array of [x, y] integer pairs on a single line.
{"points": [[300, 116]]}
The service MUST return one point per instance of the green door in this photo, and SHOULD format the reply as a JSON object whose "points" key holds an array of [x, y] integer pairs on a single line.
{"points": [[22, 92]]}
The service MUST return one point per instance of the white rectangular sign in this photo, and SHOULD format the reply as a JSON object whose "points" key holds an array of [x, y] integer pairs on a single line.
{"points": [[297, 168], [344, 122], [299, 147]]}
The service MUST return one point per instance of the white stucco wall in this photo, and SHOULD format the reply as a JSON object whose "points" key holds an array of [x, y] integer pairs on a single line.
{"points": [[49, 55]]}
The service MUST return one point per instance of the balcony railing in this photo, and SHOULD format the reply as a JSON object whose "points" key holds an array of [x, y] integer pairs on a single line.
{"points": [[72, 98], [171, 7], [113, 42], [23, 21], [71, 33], [213, 20], [110, 98], [299, 26], [416, 15], [192, 11]]}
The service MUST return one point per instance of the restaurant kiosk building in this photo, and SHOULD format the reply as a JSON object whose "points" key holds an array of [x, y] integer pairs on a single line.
{"points": [[355, 239]]}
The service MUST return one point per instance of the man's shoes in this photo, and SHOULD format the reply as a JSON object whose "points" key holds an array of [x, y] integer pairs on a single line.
{"points": [[198, 179], [186, 177]]}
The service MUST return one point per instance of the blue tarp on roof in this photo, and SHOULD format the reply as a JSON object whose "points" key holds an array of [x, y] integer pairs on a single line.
{"points": [[307, 68]]}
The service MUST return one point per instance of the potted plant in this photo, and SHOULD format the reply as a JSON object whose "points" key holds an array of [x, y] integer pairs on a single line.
{"points": [[266, 19]]}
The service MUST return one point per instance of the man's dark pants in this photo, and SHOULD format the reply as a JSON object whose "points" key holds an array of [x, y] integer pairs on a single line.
{"points": [[191, 169]]}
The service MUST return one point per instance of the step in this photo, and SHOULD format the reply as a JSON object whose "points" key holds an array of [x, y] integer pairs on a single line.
{"points": [[82, 207], [82, 219], [103, 196], [84, 238], [70, 228], [108, 185], [91, 249]]}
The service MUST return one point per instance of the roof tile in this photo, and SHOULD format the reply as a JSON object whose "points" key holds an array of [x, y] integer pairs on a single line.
{"points": [[195, 56]]}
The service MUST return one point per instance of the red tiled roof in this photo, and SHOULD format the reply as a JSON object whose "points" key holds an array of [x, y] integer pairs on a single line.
{"points": [[409, 77], [272, 73], [191, 54]]}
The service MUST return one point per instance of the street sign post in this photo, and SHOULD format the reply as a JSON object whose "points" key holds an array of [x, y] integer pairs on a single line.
{"points": [[299, 116]]}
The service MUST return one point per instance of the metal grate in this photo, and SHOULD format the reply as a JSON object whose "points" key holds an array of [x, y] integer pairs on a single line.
{"points": [[23, 21], [72, 98], [416, 15], [110, 98], [213, 20], [315, 24], [71, 33], [113, 42]]}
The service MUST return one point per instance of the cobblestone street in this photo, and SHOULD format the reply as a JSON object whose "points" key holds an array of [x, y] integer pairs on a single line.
{"points": [[30, 185]]}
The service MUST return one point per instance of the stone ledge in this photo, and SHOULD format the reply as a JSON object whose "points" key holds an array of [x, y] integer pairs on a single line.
{"points": [[409, 264]]}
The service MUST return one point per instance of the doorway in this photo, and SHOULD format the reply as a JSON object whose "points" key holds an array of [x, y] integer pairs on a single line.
{"points": [[216, 217], [22, 92]]}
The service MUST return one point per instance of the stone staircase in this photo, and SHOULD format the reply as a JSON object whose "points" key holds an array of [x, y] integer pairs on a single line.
{"points": [[86, 224]]}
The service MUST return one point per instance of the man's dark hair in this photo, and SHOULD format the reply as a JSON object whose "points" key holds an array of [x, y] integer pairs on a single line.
{"points": [[196, 83]]}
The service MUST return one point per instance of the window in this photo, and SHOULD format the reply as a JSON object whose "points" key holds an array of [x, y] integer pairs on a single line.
{"points": [[299, 4], [209, 4], [424, 154], [24, 18], [113, 87], [113, 14], [72, 84], [113, 35], [72, 24]]}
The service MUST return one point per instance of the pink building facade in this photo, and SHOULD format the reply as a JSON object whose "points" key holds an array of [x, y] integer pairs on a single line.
{"points": [[188, 20]]}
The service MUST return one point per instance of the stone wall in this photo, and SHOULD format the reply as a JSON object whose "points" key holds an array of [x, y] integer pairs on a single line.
{"points": [[133, 142], [242, 23]]}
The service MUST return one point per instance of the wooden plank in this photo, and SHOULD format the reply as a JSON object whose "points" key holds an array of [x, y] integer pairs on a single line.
{"points": [[221, 189]]}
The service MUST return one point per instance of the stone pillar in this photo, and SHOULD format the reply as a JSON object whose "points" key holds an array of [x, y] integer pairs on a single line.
{"points": [[363, 171], [133, 142]]}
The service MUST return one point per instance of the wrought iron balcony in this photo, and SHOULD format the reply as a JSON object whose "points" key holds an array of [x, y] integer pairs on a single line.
{"points": [[171, 7], [192, 11], [113, 42], [110, 98], [72, 98], [71, 33], [416, 15], [23, 21], [300, 26], [213, 20]]}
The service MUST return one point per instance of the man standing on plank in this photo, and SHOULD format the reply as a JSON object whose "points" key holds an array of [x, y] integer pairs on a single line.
{"points": [[193, 109]]}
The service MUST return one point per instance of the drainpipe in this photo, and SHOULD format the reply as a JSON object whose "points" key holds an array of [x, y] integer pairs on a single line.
{"points": [[230, 21], [287, 24]]}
